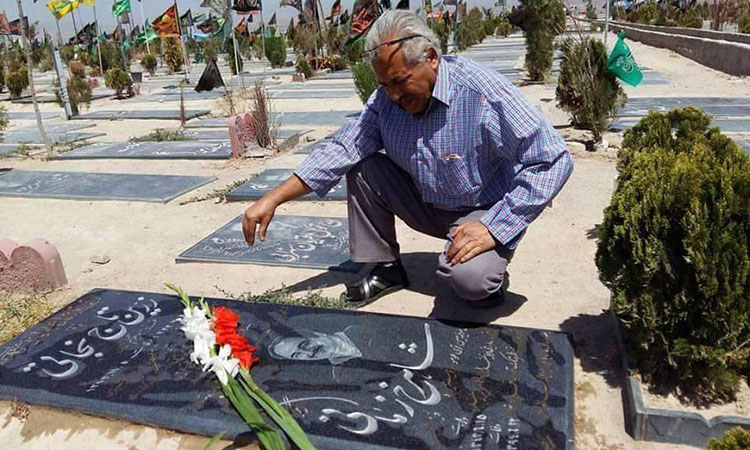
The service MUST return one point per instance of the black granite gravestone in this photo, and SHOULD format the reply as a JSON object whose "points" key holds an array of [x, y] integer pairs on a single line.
{"points": [[293, 241], [296, 118], [352, 379], [97, 186], [142, 114], [214, 134], [151, 150], [308, 85], [310, 94], [55, 138], [261, 184]]}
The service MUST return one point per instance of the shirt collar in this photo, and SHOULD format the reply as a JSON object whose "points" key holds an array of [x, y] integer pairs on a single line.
{"points": [[441, 91]]}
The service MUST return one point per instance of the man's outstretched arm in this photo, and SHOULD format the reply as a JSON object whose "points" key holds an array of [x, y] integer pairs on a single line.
{"points": [[261, 212]]}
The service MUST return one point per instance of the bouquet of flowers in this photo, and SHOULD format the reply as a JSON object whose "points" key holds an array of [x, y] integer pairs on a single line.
{"points": [[218, 347]]}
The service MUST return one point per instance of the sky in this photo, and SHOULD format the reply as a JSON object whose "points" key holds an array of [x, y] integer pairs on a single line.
{"points": [[38, 12]]}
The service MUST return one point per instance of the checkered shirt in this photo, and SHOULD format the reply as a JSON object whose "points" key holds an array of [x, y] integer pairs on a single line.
{"points": [[479, 144]]}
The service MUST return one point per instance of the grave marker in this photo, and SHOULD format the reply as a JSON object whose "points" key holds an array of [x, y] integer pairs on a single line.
{"points": [[149, 150], [352, 379], [293, 241], [264, 182]]}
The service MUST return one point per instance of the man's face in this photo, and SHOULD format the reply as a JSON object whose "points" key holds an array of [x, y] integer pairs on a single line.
{"points": [[305, 349], [409, 86]]}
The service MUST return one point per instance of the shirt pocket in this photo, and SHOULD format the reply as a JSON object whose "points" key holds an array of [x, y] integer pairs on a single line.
{"points": [[454, 176]]}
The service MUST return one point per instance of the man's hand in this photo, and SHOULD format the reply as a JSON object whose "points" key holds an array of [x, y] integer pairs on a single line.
{"points": [[469, 240], [260, 213]]}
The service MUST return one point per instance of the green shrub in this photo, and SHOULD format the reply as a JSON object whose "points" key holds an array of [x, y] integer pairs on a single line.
{"points": [[691, 19], [735, 439], [161, 135], [17, 81], [743, 24], [365, 81], [3, 121], [542, 20], [276, 51], [118, 80], [111, 56], [590, 10], [354, 52], [585, 88], [211, 49], [674, 250], [306, 40], [173, 54], [504, 27], [79, 93], [234, 63], [149, 63], [471, 30], [77, 69], [304, 67]]}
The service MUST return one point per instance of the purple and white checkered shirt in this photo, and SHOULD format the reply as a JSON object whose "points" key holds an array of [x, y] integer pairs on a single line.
{"points": [[479, 144]]}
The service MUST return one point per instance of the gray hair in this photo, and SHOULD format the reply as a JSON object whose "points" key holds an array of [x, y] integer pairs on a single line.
{"points": [[398, 24]]}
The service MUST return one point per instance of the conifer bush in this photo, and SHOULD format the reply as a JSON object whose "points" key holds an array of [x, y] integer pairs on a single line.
{"points": [[734, 439], [173, 53], [17, 81], [365, 81], [585, 88], [149, 63], [542, 21], [118, 80], [233, 65], [276, 50], [675, 251], [304, 67]]}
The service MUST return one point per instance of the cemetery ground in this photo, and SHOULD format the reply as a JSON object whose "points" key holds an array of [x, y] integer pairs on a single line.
{"points": [[554, 282]]}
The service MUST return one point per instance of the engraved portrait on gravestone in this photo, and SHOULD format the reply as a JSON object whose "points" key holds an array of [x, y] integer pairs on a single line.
{"points": [[312, 346]]}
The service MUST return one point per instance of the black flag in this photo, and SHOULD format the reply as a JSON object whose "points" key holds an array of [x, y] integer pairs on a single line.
{"points": [[403, 4], [210, 79]]}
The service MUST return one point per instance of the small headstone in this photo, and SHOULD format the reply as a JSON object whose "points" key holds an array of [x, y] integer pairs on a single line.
{"points": [[267, 180], [293, 241], [97, 186], [150, 150], [35, 266], [351, 379], [143, 114]]}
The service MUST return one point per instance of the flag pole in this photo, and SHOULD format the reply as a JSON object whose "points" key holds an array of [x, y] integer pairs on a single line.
{"points": [[143, 19], [184, 50], [262, 35], [236, 53], [75, 28], [98, 44], [59, 33]]}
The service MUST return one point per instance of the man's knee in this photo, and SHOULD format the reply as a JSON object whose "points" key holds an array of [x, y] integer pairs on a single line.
{"points": [[475, 279]]}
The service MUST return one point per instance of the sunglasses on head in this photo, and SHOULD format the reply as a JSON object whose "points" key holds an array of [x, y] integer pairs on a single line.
{"points": [[395, 41]]}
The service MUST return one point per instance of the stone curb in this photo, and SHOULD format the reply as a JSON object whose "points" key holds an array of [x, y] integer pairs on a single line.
{"points": [[667, 425]]}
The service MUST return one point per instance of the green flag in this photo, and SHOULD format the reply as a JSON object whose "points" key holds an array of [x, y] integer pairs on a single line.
{"points": [[119, 7], [148, 34], [126, 44], [622, 64]]}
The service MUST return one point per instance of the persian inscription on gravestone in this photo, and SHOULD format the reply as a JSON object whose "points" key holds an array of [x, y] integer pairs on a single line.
{"points": [[294, 241], [350, 378], [265, 181]]}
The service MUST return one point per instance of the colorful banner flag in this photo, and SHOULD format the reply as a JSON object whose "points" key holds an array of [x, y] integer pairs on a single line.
{"points": [[246, 6], [15, 27], [120, 7], [241, 27], [622, 64], [364, 14], [335, 9], [296, 4], [4, 24], [59, 8], [148, 34], [166, 24], [186, 20]]}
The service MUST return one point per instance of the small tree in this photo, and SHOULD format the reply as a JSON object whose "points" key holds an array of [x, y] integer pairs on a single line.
{"points": [[674, 250], [261, 113], [3, 121], [149, 63], [504, 27], [17, 81], [276, 50], [365, 81], [79, 91], [118, 80], [542, 21], [735, 439], [304, 67], [586, 89], [233, 60], [173, 53]]}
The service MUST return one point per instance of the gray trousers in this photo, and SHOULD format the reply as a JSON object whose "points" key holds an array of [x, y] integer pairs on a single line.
{"points": [[379, 190]]}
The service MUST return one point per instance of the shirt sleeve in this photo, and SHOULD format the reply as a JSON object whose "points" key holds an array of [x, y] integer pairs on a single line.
{"points": [[525, 138], [357, 140]]}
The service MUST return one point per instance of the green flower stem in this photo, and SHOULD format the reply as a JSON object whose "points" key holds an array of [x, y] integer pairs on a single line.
{"points": [[268, 437], [281, 416]]}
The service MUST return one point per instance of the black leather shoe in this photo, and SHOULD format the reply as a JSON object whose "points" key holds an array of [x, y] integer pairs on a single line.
{"points": [[383, 279]]}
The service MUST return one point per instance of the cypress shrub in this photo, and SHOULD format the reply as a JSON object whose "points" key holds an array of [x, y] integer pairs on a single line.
{"points": [[542, 21], [118, 80], [735, 439], [674, 250], [743, 24], [149, 63], [231, 57], [304, 67], [586, 89], [365, 81], [173, 53], [17, 81], [276, 50]]}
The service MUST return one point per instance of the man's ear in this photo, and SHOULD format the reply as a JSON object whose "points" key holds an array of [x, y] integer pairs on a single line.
{"points": [[432, 57]]}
